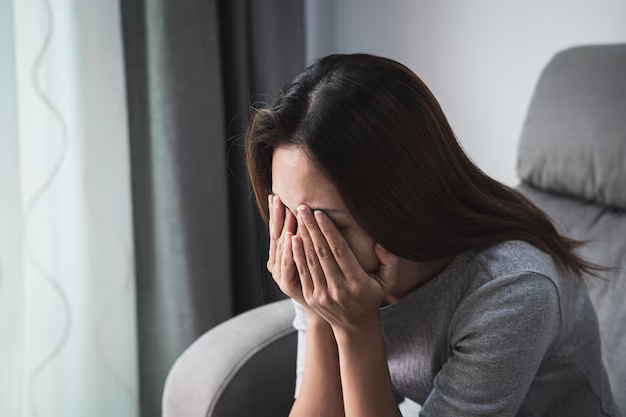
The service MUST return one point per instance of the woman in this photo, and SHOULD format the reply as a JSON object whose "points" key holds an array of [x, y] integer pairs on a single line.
{"points": [[414, 274]]}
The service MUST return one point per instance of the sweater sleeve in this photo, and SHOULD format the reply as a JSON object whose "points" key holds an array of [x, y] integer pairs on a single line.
{"points": [[499, 335], [299, 323]]}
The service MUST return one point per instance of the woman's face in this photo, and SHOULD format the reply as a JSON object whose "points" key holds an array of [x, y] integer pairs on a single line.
{"points": [[297, 181]]}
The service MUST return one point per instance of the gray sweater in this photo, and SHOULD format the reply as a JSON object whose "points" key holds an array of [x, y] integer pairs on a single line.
{"points": [[496, 333]]}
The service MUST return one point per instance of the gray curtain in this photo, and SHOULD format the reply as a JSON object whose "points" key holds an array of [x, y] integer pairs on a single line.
{"points": [[193, 69]]}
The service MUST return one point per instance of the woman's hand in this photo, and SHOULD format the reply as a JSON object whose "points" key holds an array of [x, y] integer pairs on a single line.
{"points": [[333, 282], [280, 263]]}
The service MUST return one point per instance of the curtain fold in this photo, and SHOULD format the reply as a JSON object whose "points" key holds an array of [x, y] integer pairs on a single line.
{"points": [[71, 319], [193, 69]]}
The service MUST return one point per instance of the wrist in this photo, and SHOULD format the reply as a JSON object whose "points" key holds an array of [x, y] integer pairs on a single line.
{"points": [[359, 334], [315, 320], [319, 329]]}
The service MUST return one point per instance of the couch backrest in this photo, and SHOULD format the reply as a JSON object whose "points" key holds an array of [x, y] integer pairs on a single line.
{"points": [[572, 163], [574, 137]]}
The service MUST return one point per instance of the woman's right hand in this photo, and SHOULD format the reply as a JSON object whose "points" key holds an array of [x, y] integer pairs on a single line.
{"points": [[283, 225]]}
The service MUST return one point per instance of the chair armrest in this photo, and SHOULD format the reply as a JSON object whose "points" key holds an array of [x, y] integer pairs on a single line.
{"points": [[244, 366]]}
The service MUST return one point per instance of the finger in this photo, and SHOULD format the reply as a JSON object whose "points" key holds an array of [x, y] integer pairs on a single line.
{"points": [[277, 227], [322, 249], [280, 244], [289, 267], [269, 214], [388, 271], [279, 216], [303, 269], [310, 257], [343, 255], [281, 230], [285, 224], [272, 254], [290, 222]]}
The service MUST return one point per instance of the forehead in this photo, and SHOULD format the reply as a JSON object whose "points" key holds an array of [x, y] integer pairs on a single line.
{"points": [[297, 181]]}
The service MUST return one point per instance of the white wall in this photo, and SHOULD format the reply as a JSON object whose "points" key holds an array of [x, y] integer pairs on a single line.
{"points": [[480, 58]]}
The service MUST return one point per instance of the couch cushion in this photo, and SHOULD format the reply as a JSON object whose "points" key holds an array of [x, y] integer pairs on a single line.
{"points": [[574, 137], [246, 366], [606, 228]]}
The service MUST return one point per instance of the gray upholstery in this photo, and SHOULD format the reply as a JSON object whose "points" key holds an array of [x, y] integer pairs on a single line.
{"points": [[571, 162], [606, 229], [246, 366], [574, 137]]}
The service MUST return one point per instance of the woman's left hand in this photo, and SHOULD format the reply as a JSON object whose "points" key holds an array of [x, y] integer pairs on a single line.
{"points": [[333, 282]]}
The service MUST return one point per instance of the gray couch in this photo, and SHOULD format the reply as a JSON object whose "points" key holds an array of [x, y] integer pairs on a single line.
{"points": [[572, 164]]}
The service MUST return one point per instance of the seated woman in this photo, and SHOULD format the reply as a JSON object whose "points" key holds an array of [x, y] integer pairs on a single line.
{"points": [[414, 274]]}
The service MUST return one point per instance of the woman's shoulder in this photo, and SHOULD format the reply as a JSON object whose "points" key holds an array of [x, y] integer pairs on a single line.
{"points": [[513, 268], [516, 257], [512, 275], [513, 282]]}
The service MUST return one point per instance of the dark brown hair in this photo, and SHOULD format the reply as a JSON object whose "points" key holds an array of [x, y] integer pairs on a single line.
{"points": [[377, 132]]}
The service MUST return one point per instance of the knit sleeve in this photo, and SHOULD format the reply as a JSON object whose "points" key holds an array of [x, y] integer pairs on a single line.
{"points": [[299, 323], [499, 335]]}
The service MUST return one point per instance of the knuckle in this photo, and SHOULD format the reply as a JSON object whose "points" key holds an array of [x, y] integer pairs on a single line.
{"points": [[321, 298], [355, 290], [337, 293], [342, 250], [302, 271], [311, 259], [323, 251]]}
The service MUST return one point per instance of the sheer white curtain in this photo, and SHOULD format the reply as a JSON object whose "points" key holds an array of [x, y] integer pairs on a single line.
{"points": [[67, 294]]}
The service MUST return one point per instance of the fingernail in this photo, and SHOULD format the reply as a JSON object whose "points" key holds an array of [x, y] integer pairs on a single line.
{"points": [[318, 215], [302, 211]]}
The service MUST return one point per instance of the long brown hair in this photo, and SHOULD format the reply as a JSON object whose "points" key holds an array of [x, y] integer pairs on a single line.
{"points": [[377, 132]]}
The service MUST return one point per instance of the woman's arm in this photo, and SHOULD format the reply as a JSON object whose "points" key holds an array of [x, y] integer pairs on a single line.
{"points": [[336, 287], [367, 389], [320, 393]]}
